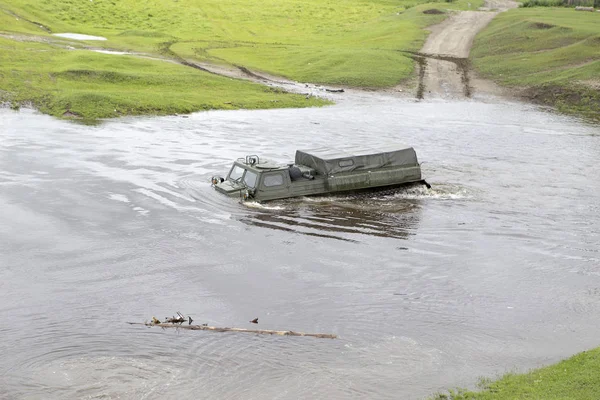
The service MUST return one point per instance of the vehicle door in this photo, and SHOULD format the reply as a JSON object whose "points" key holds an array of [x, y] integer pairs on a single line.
{"points": [[274, 185]]}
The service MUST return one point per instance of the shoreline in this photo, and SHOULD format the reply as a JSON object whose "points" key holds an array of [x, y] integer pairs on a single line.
{"points": [[570, 378]]}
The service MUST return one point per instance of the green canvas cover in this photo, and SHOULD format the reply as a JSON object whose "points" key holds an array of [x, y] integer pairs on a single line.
{"points": [[329, 161]]}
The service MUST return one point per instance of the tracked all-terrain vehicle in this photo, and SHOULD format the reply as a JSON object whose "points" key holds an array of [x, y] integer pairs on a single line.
{"points": [[321, 171]]}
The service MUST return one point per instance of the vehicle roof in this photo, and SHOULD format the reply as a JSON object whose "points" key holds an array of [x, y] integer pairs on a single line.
{"points": [[329, 153], [262, 165], [333, 160]]}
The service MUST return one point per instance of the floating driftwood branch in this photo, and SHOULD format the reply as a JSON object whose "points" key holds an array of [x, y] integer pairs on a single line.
{"points": [[217, 329]]}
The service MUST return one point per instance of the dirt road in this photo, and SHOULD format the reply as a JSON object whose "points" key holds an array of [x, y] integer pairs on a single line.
{"points": [[445, 70]]}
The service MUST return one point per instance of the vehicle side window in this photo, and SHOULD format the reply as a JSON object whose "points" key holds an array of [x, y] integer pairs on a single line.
{"points": [[250, 179], [273, 180], [346, 163]]}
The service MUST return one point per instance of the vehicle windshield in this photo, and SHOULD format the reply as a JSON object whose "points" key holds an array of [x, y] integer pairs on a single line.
{"points": [[236, 173]]}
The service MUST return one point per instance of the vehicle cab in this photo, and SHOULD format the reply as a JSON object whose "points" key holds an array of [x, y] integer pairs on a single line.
{"points": [[252, 177]]}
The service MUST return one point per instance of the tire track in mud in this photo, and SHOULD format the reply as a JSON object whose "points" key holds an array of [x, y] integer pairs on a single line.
{"points": [[36, 24], [462, 66], [444, 65]]}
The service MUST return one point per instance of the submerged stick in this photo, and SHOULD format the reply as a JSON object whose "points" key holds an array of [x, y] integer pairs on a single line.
{"points": [[217, 329]]}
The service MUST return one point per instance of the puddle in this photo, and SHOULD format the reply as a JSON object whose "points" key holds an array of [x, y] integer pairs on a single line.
{"points": [[118, 53], [78, 36]]}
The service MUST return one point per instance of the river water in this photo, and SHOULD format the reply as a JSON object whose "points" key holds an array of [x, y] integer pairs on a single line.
{"points": [[496, 268]]}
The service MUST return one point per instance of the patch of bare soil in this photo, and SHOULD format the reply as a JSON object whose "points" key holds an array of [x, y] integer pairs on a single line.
{"points": [[583, 100], [433, 11], [542, 25], [71, 114], [546, 94]]}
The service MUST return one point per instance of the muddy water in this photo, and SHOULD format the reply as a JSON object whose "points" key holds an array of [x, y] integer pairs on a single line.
{"points": [[496, 268]]}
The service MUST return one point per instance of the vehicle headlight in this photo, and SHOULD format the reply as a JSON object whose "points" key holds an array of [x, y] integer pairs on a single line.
{"points": [[216, 180]]}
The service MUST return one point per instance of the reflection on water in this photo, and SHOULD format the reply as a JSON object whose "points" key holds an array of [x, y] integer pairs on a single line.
{"points": [[390, 213], [494, 268], [341, 217]]}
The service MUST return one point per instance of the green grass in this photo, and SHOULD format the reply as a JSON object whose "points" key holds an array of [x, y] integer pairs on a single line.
{"points": [[560, 3], [576, 378], [554, 52], [93, 85], [356, 43], [352, 42], [12, 23]]}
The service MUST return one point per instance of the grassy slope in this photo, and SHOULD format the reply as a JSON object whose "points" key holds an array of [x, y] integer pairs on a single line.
{"points": [[576, 378], [94, 85], [553, 51], [351, 42]]}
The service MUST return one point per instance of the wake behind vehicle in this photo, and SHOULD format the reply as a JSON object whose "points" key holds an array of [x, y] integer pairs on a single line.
{"points": [[321, 171]]}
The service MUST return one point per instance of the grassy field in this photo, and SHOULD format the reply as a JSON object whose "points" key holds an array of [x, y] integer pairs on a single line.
{"points": [[93, 85], [553, 52], [576, 378], [343, 42]]}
